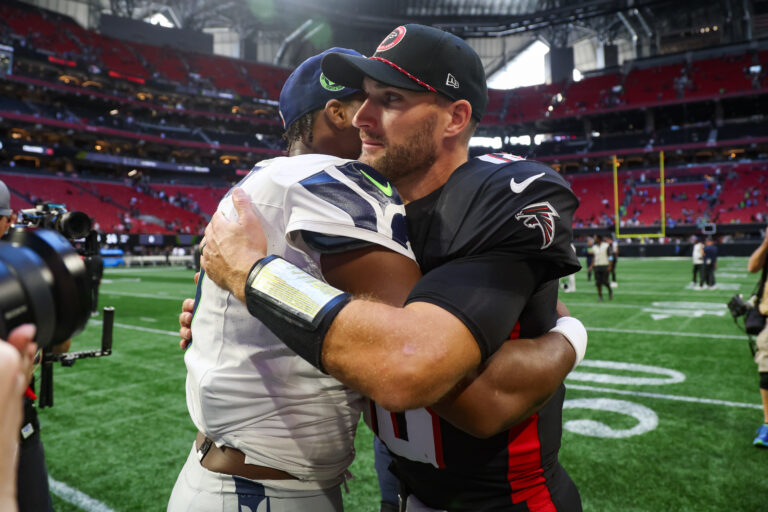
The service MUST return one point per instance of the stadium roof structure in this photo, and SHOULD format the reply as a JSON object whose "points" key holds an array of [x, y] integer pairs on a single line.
{"points": [[499, 29]]}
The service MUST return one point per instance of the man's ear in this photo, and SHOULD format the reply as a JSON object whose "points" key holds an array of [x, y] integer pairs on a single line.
{"points": [[336, 115], [461, 115]]}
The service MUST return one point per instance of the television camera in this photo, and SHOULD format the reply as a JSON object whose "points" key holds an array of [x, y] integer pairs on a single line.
{"points": [[49, 275]]}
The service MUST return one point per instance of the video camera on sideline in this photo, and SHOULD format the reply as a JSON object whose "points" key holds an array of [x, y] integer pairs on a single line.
{"points": [[45, 281]]}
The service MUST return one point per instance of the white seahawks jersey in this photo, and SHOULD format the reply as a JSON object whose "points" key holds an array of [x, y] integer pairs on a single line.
{"points": [[245, 388]]}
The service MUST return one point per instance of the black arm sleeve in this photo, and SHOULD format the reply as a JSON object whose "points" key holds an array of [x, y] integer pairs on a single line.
{"points": [[487, 293]]}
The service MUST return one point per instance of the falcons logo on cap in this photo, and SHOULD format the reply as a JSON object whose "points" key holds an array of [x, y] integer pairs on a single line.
{"points": [[542, 216]]}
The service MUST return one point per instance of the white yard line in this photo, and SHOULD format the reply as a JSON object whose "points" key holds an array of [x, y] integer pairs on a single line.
{"points": [[670, 333], [139, 328], [76, 498], [102, 291], [678, 398]]}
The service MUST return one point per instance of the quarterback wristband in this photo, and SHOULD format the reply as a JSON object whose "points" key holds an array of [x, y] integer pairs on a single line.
{"points": [[575, 333], [296, 306]]}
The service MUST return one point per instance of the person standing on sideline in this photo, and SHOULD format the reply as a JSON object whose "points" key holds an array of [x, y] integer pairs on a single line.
{"points": [[758, 261], [590, 256], [614, 256], [602, 266], [698, 264], [710, 263]]}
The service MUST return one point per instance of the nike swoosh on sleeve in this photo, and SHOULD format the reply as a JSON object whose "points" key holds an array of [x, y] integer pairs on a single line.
{"points": [[386, 190], [517, 188]]}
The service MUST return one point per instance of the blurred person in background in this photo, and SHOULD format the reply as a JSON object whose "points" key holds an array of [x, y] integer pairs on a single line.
{"points": [[614, 257], [601, 264], [759, 262], [710, 263], [698, 264], [590, 256]]}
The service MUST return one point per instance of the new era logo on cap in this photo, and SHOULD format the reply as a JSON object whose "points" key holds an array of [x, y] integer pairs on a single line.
{"points": [[418, 58]]}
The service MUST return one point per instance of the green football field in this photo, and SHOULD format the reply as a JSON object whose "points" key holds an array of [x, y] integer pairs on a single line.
{"points": [[660, 417]]}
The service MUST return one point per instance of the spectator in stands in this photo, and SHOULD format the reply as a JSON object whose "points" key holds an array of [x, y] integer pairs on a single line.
{"points": [[710, 263], [757, 262]]}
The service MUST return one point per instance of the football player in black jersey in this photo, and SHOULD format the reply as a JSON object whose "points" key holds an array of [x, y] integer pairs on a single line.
{"points": [[492, 236]]}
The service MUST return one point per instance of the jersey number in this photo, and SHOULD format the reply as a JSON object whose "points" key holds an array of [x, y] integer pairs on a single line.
{"points": [[414, 435]]}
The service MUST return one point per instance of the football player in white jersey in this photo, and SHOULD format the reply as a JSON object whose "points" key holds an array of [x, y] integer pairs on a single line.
{"points": [[274, 432]]}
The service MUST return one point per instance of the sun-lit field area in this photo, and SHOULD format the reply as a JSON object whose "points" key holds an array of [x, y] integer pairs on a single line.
{"points": [[660, 416]]}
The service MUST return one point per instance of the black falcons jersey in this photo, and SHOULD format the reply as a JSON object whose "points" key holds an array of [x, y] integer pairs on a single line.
{"points": [[492, 243], [496, 210]]}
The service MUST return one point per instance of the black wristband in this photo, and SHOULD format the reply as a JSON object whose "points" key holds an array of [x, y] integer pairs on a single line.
{"points": [[297, 307]]}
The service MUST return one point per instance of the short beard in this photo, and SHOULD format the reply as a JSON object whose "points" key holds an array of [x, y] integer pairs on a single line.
{"points": [[413, 157]]}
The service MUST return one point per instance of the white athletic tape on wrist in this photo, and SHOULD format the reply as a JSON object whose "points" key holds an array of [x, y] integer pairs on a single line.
{"points": [[575, 333], [294, 291], [297, 307]]}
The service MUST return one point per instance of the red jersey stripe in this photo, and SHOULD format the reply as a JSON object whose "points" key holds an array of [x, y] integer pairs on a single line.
{"points": [[525, 474], [437, 437]]}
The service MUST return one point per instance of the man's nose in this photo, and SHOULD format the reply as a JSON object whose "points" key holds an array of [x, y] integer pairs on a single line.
{"points": [[363, 118]]}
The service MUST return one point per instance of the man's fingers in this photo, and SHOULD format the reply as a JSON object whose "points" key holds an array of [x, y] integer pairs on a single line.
{"points": [[242, 204], [20, 336], [188, 305], [185, 319]]}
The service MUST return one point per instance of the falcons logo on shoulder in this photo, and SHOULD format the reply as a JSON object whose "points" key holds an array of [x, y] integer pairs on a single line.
{"points": [[542, 216]]}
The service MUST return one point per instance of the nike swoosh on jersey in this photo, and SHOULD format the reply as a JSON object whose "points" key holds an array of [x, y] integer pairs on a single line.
{"points": [[517, 188], [386, 190]]}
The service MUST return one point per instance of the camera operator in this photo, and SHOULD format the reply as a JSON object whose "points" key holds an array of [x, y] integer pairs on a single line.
{"points": [[33, 493], [758, 262], [16, 365]]}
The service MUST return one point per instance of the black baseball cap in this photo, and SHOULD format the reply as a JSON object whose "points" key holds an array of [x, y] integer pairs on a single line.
{"points": [[417, 58], [308, 89]]}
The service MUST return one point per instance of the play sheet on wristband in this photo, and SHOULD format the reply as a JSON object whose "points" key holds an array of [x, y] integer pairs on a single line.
{"points": [[293, 290]]}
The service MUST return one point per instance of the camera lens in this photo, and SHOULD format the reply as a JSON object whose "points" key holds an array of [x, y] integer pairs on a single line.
{"points": [[45, 282], [73, 225]]}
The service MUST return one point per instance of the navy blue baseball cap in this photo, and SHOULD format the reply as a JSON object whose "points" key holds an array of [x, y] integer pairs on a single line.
{"points": [[308, 89]]}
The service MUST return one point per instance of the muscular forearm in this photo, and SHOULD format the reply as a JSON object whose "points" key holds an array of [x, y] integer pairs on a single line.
{"points": [[403, 358], [517, 381]]}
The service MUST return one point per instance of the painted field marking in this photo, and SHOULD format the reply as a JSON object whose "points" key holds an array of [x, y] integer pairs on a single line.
{"points": [[77, 498], [663, 376], [668, 333], [661, 310], [139, 328], [140, 295], [678, 398]]}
